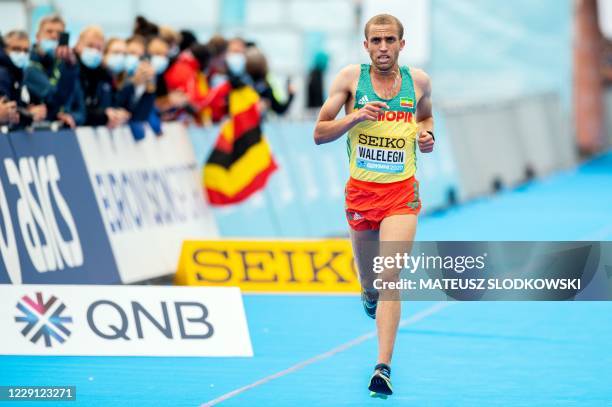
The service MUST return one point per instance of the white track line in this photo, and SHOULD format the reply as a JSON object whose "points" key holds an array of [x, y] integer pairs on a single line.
{"points": [[405, 322]]}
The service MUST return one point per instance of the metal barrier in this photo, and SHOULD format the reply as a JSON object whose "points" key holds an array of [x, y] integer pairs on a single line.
{"points": [[503, 144]]}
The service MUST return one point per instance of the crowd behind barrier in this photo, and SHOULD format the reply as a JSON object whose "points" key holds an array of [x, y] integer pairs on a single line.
{"points": [[155, 75]]}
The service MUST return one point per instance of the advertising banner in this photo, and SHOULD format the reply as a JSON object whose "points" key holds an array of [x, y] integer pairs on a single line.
{"points": [[52, 232], [317, 266], [122, 321], [150, 195]]}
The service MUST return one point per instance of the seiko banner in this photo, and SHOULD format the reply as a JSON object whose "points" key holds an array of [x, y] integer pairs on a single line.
{"points": [[122, 321], [50, 226], [149, 194]]}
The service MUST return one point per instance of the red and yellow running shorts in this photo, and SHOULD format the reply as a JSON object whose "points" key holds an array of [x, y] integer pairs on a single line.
{"points": [[368, 203]]}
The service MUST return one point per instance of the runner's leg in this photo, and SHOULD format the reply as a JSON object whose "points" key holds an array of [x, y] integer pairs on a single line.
{"points": [[399, 231], [365, 248]]}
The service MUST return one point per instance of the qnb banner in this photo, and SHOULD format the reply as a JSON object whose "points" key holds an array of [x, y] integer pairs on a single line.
{"points": [[322, 266], [50, 226], [123, 321], [150, 196]]}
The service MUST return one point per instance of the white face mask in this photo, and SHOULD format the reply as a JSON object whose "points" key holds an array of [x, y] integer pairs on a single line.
{"points": [[131, 63], [116, 63], [236, 62], [20, 59], [48, 46], [91, 58], [159, 63]]}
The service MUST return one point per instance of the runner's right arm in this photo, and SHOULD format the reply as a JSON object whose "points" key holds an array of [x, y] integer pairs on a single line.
{"points": [[328, 128]]}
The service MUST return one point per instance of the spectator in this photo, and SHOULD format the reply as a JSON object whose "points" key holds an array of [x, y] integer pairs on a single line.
{"points": [[217, 46], [114, 59], [96, 82], [235, 58], [167, 103], [13, 59], [188, 39], [52, 75], [257, 68], [315, 81], [135, 52], [137, 94], [231, 73], [173, 39], [158, 49], [187, 75]]}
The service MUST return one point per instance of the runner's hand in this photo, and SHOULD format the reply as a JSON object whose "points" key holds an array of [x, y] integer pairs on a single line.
{"points": [[370, 111], [426, 142]]}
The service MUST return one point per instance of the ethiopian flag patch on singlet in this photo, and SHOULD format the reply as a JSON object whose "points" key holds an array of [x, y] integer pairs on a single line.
{"points": [[407, 102]]}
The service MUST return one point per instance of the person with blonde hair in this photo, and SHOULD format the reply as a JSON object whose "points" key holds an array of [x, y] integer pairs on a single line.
{"points": [[52, 74], [96, 81]]}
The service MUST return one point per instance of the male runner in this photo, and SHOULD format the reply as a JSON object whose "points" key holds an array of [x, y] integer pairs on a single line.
{"points": [[388, 111]]}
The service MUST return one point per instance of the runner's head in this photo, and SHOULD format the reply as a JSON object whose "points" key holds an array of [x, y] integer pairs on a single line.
{"points": [[384, 39]]}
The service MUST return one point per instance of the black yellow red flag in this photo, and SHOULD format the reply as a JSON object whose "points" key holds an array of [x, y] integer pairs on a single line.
{"points": [[241, 161]]}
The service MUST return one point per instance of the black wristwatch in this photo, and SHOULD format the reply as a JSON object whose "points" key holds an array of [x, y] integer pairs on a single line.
{"points": [[432, 135]]}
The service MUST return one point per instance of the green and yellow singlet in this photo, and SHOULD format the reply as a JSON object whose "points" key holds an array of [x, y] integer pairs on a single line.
{"points": [[384, 151]]}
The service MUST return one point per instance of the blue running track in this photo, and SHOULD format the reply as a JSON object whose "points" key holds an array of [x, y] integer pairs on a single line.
{"points": [[320, 350]]}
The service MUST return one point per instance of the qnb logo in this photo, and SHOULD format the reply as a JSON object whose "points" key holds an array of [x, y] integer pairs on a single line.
{"points": [[43, 319]]}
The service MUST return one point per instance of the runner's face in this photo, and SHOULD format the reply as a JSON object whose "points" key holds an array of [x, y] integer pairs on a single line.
{"points": [[383, 45]]}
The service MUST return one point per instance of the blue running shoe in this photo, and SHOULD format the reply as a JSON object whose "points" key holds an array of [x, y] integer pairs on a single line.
{"points": [[369, 305]]}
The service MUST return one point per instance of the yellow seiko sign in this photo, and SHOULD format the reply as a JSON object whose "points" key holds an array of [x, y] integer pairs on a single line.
{"points": [[321, 266]]}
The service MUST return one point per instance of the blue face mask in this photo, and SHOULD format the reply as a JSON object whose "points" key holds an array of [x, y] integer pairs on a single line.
{"points": [[159, 63], [48, 46], [91, 58], [131, 64], [20, 59], [236, 62], [116, 63]]}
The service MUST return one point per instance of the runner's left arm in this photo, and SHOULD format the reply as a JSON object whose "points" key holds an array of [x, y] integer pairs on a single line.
{"points": [[425, 119]]}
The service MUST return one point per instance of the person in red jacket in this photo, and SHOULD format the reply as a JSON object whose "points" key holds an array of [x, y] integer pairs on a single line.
{"points": [[187, 75]]}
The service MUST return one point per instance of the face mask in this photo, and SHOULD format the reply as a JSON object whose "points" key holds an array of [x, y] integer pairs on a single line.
{"points": [[131, 64], [48, 46], [116, 63], [236, 63], [91, 58], [159, 63], [20, 59]]}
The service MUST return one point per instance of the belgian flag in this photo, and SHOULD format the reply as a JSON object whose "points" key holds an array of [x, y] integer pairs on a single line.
{"points": [[241, 161]]}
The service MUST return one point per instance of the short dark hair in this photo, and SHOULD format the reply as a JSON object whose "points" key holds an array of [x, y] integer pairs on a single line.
{"points": [[217, 45], [384, 19], [188, 38], [201, 53]]}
